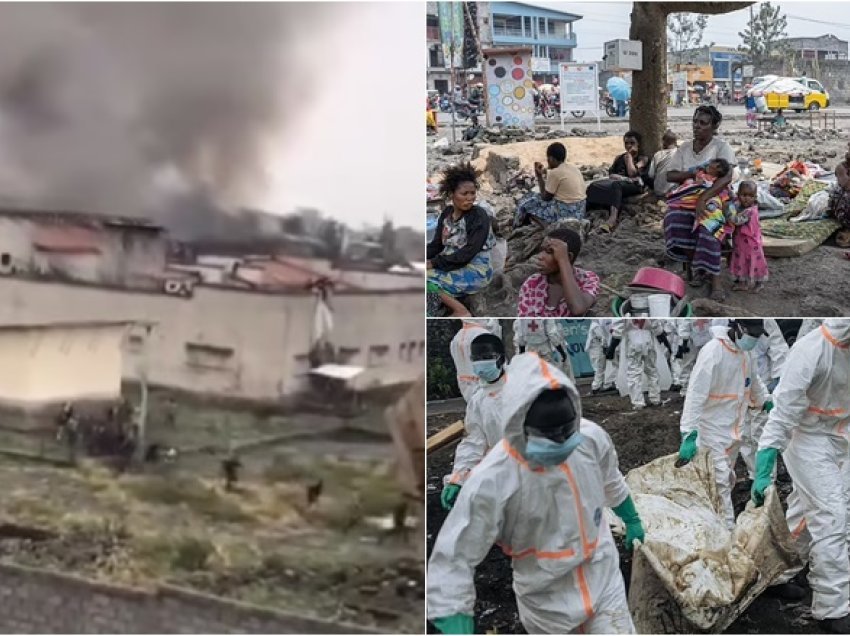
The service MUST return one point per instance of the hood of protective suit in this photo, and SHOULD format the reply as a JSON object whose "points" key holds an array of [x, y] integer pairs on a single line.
{"points": [[465, 336], [721, 332], [529, 376], [839, 328]]}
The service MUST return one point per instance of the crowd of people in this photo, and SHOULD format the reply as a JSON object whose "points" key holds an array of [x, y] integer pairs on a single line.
{"points": [[712, 213], [533, 476]]}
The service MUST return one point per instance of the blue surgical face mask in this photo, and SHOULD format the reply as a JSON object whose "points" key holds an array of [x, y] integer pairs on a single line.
{"points": [[545, 452], [747, 342], [487, 370]]}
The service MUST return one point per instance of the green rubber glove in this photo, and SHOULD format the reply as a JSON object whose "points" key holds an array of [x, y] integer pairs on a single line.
{"points": [[455, 624], [688, 449], [765, 462], [448, 496], [767, 407], [634, 528]]}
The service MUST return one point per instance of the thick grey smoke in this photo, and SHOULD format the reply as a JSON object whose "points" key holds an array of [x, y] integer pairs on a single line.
{"points": [[129, 108]]}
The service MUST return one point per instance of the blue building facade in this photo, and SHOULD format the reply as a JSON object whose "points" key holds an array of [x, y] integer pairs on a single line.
{"points": [[548, 32], [722, 63]]}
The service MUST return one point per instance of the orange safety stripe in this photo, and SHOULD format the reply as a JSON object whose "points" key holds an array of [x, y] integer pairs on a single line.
{"points": [[722, 396], [467, 378], [515, 454], [796, 532], [456, 477], [831, 412], [540, 554], [544, 369], [728, 348], [832, 339], [585, 592]]}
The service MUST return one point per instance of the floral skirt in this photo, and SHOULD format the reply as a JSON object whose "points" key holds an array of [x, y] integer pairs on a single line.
{"points": [[532, 204], [471, 278]]}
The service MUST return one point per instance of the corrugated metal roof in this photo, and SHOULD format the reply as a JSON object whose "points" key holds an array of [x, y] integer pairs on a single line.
{"points": [[69, 239]]}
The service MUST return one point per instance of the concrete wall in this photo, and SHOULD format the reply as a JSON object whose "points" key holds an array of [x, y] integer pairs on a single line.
{"points": [[42, 602], [268, 335], [60, 363]]}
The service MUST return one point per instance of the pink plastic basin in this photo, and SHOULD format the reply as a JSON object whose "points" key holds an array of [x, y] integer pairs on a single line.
{"points": [[661, 279]]}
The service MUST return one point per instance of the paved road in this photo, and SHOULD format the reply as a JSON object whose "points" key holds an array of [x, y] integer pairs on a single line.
{"points": [[736, 111]]}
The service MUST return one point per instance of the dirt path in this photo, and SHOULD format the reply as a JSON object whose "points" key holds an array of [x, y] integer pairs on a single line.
{"points": [[638, 439]]}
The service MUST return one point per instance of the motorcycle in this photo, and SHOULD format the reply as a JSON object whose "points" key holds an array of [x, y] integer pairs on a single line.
{"points": [[466, 110], [609, 105], [445, 104], [545, 107]]}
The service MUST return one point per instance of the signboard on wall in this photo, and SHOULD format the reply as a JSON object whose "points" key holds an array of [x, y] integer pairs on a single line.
{"points": [[680, 81], [540, 65], [576, 332], [507, 77], [623, 55], [579, 87]]}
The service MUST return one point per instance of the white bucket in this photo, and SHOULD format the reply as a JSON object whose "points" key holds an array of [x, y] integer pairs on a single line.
{"points": [[639, 301], [659, 305]]}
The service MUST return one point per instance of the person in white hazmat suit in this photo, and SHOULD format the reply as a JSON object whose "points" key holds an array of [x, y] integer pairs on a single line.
{"points": [[459, 348], [546, 338], [540, 495], [808, 324], [598, 337], [809, 426], [692, 335], [482, 421], [770, 355], [722, 385], [638, 336]]}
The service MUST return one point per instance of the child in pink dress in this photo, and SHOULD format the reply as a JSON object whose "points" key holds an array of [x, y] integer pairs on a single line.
{"points": [[559, 289], [747, 265]]}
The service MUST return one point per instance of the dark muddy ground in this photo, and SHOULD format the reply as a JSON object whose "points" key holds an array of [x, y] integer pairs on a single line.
{"points": [[639, 438]]}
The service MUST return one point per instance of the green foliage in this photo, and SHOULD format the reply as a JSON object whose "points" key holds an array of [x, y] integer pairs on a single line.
{"points": [[684, 33], [442, 383], [763, 35]]}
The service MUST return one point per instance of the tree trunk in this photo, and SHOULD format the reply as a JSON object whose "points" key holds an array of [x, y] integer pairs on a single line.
{"points": [[648, 111]]}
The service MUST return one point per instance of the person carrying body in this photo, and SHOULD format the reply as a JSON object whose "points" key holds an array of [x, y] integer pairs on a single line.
{"points": [[723, 384], [540, 495], [770, 355], [598, 337], [545, 338], [809, 427], [482, 420], [639, 336], [559, 289]]}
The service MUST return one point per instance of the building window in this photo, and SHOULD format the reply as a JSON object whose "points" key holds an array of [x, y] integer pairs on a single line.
{"points": [[205, 356], [527, 23], [377, 355]]}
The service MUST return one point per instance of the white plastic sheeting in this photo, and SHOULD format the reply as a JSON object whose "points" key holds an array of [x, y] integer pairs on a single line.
{"points": [[692, 574]]}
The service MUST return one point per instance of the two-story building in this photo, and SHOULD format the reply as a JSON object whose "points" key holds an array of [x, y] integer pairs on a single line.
{"points": [[822, 47]]}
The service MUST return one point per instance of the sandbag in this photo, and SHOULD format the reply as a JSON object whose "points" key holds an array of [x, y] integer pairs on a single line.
{"points": [[692, 574]]}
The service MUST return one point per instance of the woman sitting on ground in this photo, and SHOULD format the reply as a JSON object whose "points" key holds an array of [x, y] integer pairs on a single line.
{"points": [[559, 289], [625, 179], [561, 193], [839, 200], [687, 240], [459, 255]]}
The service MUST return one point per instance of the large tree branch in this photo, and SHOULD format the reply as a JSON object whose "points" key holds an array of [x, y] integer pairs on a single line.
{"points": [[711, 8]]}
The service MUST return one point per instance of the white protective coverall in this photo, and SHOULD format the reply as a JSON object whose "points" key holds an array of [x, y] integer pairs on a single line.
{"points": [[638, 342], [808, 324], [696, 332], [548, 519], [459, 347], [483, 426], [770, 355], [722, 385], [544, 337], [810, 425], [598, 337]]}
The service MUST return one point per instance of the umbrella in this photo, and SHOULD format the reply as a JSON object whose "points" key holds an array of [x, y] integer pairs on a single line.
{"points": [[619, 89]]}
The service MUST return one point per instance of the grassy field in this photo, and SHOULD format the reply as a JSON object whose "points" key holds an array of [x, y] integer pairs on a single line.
{"points": [[262, 543]]}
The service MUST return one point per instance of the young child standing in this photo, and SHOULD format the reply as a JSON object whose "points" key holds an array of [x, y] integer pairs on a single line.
{"points": [[559, 289], [747, 265]]}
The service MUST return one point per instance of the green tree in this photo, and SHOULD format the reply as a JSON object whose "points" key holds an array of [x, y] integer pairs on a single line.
{"points": [[684, 33], [764, 34]]}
